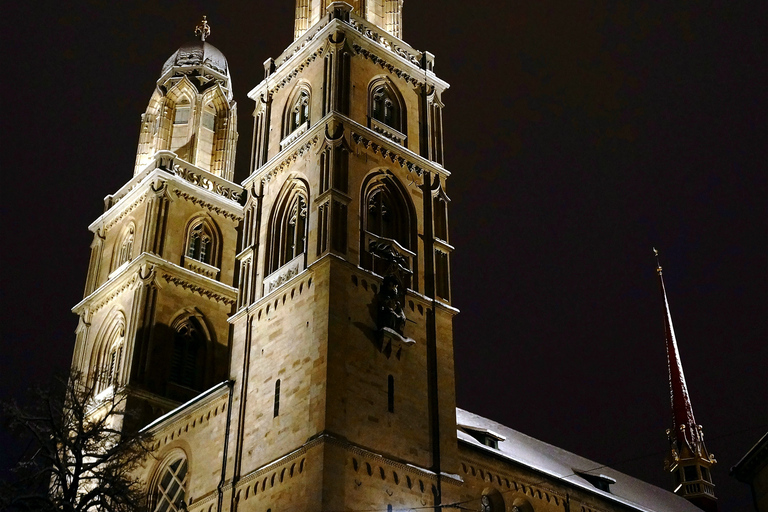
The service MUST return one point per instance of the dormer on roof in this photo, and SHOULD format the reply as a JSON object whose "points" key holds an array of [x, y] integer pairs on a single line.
{"points": [[483, 435], [600, 481]]}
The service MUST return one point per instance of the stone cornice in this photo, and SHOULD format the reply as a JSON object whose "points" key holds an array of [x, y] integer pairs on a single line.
{"points": [[361, 135], [366, 40], [285, 158], [149, 268], [187, 284], [213, 208], [115, 215], [181, 413], [218, 195], [323, 438]]}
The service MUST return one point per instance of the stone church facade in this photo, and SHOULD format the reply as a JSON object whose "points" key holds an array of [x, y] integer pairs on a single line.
{"points": [[288, 341]]}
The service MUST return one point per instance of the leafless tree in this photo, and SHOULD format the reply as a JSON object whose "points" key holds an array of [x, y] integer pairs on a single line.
{"points": [[81, 458]]}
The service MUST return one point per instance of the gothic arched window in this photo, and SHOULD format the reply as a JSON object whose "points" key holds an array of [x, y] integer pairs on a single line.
{"points": [[201, 242], [124, 249], [289, 225], [387, 221], [300, 111], [386, 107], [108, 358], [297, 109], [383, 107], [492, 501], [188, 356], [171, 488], [386, 211]]}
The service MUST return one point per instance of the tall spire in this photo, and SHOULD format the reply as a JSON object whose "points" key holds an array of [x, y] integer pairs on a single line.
{"points": [[688, 460]]}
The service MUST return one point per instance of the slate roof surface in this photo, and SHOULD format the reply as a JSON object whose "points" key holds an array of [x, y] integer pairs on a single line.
{"points": [[558, 463]]}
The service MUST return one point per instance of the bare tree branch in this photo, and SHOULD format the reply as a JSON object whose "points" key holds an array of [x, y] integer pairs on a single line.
{"points": [[81, 458]]}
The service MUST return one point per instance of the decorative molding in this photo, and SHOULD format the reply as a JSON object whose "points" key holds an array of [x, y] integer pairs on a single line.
{"points": [[117, 291], [203, 292], [387, 131], [201, 268], [288, 54], [198, 177], [299, 151], [298, 132], [359, 50], [298, 69], [282, 461], [386, 40], [393, 156], [123, 213], [213, 208], [284, 274]]}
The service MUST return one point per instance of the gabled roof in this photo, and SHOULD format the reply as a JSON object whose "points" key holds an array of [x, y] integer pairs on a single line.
{"points": [[560, 464]]}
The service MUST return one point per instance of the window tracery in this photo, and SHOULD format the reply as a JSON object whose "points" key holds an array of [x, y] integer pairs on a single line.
{"points": [[383, 107], [199, 243], [296, 117], [386, 214], [108, 357], [387, 220], [187, 359], [289, 226], [125, 248], [386, 110], [171, 488], [300, 111], [202, 245]]}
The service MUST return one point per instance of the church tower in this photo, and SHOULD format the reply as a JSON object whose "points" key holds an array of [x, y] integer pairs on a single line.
{"points": [[342, 351], [688, 461], [160, 280]]}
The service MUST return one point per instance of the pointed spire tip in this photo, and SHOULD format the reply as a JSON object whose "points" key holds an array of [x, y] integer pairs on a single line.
{"points": [[658, 264], [203, 30]]}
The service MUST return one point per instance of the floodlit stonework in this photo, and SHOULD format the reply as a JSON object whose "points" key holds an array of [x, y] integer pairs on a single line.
{"points": [[288, 341]]}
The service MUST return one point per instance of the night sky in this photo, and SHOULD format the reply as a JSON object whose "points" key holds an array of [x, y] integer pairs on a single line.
{"points": [[579, 135]]}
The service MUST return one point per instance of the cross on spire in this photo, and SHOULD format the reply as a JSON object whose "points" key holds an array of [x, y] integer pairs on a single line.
{"points": [[203, 30]]}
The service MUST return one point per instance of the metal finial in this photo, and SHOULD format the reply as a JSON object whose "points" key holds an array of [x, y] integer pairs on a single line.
{"points": [[203, 30], [658, 265]]}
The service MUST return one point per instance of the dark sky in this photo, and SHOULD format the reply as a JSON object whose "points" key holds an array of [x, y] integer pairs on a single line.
{"points": [[579, 135]]}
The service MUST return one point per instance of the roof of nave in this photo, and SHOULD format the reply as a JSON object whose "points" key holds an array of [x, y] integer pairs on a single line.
{"points": [[561, 464]]}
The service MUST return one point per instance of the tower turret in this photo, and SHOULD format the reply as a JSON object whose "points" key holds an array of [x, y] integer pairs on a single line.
{"points": [[160, 283], [688, 460], [192, 111]]}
